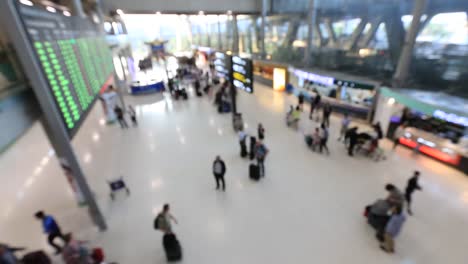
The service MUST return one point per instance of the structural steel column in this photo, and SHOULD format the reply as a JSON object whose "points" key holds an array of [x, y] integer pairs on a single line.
{"points": [[311, 19], [235, 34], [331, 32], [319, 33], [78, 8], [220, 44], [262, 28], [369, 35], [402, 70], [292, 32], [57, 134], [395, 31], [353, 41]]}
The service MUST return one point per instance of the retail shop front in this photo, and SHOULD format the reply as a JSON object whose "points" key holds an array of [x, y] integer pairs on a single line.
{"points": [[346, 94], [433, 124]]}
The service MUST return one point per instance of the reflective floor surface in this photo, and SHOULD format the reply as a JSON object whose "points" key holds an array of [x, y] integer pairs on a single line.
{"points": [[308, 209]]}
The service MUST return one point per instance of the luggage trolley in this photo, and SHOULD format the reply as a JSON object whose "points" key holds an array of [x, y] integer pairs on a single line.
{"points": [[117, 185]]}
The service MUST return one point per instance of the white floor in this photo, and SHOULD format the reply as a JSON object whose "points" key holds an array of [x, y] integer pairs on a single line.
{"points": [[308, 209]]}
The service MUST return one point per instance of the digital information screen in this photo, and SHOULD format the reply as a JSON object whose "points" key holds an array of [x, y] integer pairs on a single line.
{"points": [[223, 65], [74, 57], [242, 73]]}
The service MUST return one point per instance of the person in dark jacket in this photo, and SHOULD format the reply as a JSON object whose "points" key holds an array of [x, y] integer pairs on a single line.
{"points": [[300, 99], [412, 186], [351, 137], [314, 104], [327, 109], [261, 131], [219, 169], [52, 229], [7, 254]]}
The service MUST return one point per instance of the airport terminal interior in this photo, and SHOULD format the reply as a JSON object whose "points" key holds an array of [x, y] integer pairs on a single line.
{"points": [[111, 109]]}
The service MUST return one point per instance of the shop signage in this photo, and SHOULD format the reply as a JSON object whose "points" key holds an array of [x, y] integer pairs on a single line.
{"points": [[324, 80], [452, 118], [242, 73], [223, 65]]}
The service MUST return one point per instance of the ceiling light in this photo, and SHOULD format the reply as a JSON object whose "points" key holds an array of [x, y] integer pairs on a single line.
{"points": [[229, 12], [158, 13], [26, 2], [66, 13], [51, 9], [201, 13], [120, 12]]}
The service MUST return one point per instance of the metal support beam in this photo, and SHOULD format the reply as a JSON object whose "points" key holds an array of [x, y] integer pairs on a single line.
{"points": [[311, 23], [292, 32], [371, 33], [319, 34], [235, 34], [220, 43], [395, 31], [265, 7], [57, 134], [402, 71], [356, 35], [78, 8], [331, 33]]}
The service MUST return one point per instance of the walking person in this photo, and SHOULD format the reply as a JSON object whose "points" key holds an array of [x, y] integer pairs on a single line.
{"points": [[253, 143], [344, 126], [120, 117], [392, 229], [163, 220], [351, 136], [300, 99], [219, 169], [314, 104], [327, 110], [395, 196], [324, 139], [261, 151], [52, 229], [242, 143], [132, 113], [261, 131], [412, 186]]}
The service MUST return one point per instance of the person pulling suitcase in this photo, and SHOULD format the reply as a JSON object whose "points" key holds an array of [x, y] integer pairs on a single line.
{"points": [[171, 245]]}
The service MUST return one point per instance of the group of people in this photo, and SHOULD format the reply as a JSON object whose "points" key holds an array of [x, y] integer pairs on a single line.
{"points": [[387, 215], [119, 112]]}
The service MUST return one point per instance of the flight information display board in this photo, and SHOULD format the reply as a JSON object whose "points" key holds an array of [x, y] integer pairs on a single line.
{"points": [[223, 65], [75, 59], [242, 73]]}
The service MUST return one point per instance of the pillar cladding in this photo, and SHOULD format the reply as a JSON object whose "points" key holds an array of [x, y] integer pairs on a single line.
{"points": [[395, 32], [401, 74]]}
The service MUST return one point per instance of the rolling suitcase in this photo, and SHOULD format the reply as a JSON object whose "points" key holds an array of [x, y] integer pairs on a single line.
{"points": [[254, 172], [172, 247], [37, 257]]}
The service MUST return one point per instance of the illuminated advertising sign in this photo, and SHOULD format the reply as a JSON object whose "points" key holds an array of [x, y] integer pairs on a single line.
{"points": [[451, 118], [223, 65], [242, 73]]}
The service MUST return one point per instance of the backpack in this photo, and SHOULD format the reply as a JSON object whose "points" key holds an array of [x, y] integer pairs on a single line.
{"points": [[157, 222]]}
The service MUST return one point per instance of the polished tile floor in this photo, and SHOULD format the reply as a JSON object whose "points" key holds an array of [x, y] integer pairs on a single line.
{"points": [[308, 209]]}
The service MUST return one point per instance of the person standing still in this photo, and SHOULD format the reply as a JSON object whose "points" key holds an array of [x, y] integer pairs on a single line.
{"points": [[261, 131], [120, 117], [412, 186], [52, 229], [392, 229], [261, 151], [324, 139], [242, 143], [219, 169]]}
